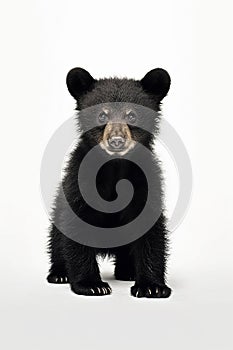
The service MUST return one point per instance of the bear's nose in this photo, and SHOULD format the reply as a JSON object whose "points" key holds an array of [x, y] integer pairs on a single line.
{"points": [[116, 142]]}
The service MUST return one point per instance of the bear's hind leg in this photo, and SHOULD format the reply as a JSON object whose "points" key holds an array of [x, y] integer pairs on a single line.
{"points": [[124, 269]]}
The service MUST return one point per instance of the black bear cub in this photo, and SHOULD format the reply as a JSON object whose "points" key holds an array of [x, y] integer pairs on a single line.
{"points": [[142, 260]]}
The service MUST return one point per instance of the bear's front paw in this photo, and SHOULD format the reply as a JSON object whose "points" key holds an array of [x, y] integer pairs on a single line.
{"points": [[91, 289], [150, 291]]}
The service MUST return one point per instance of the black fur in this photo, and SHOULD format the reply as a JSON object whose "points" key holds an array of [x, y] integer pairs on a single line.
{"points": [[144, 260]]}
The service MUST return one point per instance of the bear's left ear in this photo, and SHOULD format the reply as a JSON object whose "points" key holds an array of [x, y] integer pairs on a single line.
{"points": [[79, 81], [157, 82]]}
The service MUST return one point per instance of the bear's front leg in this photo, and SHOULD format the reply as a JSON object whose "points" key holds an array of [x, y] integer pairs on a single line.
{"points": [[150, 263], [83, 270]]}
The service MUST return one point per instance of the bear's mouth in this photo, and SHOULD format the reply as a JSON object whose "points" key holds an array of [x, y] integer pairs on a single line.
{"points": [[117, 139], [120, 151]]}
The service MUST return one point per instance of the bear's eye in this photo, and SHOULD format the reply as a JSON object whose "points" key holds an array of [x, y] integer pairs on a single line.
{"points": [[131, 118], [103, 118]]}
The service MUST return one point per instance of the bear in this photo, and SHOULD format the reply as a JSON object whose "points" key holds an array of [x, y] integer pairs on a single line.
{"points": [[144, 259]]}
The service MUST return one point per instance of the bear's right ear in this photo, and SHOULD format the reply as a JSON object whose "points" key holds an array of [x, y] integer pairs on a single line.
{"points": [[79, 81]]}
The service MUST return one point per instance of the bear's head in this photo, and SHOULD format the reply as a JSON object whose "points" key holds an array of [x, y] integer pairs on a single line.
{"points": [[118, 113]]}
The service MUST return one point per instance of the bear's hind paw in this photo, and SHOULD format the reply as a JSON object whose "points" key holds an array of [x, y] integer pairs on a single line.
{"points": [[57, 279]]}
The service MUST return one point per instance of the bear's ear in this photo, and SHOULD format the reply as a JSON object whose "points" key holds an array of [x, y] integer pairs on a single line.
{"points": [[79, 81], [157, 82]]}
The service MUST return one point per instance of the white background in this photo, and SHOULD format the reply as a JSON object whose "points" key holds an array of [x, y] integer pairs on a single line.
{"points": [[40, 41]]}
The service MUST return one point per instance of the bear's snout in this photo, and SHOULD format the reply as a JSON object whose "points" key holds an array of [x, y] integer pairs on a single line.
{"points": [[116, 142], [117, 138]]}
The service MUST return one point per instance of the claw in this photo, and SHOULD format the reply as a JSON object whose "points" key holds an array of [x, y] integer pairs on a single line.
{"points": [[149, 291], [157, 290], [99, 290], [137, 293], [92, 290], [61, 279]]}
